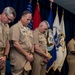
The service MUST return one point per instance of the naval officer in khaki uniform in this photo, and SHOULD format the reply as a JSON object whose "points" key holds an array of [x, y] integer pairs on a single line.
{"points": [[40, 51], [6, 17], [71, 56], [22, 46]]}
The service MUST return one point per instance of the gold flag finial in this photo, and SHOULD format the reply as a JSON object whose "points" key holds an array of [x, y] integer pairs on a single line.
{"points": [[63, 12], [38, 6], [50, 4], [57, 9]]}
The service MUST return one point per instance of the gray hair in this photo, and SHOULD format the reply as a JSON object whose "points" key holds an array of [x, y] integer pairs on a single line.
{"points": [[9, 10], [46, 22]]}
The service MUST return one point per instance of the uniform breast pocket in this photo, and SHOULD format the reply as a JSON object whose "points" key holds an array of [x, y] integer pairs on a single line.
{"points": [[31, 36], [23, 32], [23, 36], [7, 34], [41, 40]]}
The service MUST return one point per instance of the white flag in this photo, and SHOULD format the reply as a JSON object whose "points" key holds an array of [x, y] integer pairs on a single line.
{"points": [[59, 32], [62, 43], [56, 33], [56, 26]]}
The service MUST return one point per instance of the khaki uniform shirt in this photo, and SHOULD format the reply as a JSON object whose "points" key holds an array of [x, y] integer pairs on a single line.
{"points": [[23, 35], [40, 40], [4, 36], [71, 57], [39, 67], [71, 46]]}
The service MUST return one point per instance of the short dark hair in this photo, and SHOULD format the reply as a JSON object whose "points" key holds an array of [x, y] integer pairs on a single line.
{"points": [[26, 12]]}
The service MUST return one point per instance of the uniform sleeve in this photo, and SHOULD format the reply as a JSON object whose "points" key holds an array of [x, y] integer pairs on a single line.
{"points": [[71, 46], [7, 31], [32, 38], [14, 33], [36, 38]]}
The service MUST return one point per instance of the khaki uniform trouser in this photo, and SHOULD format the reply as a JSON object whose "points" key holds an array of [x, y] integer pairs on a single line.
{"points": [[37, 68], [2, 71], [71, 64], [17, 62]]}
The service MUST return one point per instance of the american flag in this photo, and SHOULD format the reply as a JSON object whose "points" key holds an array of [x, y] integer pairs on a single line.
{"points": [[29, 8]]}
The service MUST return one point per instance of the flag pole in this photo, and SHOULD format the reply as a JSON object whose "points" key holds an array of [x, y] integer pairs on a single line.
{"points": [[52, 72], [59, 73], [51, 8], [38, 5], [50, 4]]}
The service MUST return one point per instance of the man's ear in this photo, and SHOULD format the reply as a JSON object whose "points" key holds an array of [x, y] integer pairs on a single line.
{"points": [[22, 17], [3, 13]]}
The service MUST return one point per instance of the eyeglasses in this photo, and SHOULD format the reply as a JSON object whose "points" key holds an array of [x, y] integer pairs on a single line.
{"points": [[9, 18]]}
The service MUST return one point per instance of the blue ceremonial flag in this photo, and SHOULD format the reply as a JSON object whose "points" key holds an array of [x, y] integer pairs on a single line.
{"points": [[29, 8], [50, 42], [50, 19]]}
